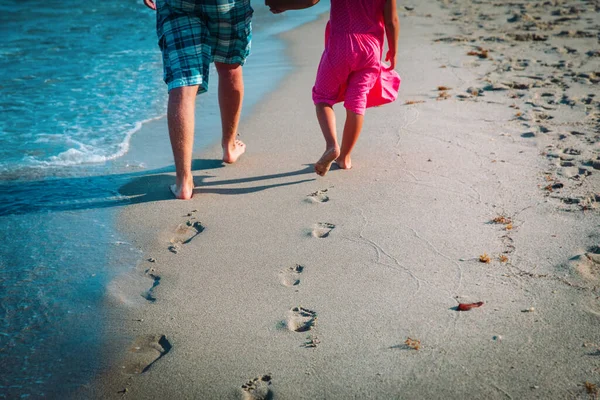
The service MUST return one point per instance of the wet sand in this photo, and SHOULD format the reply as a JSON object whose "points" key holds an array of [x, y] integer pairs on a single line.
{"points": [[478, 186]]}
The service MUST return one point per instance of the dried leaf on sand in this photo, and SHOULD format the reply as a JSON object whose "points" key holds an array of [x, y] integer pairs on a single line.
{"points": [[414, 344], [468, 306]]}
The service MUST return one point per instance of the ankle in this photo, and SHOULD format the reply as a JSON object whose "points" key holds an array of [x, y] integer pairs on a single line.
{"points": [[344, 160], [228, 144], [184, 180], [334, 148]]}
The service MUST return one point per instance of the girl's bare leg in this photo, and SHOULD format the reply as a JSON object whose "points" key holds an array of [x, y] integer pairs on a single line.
{"points": [[326, 118], [352, 128]]}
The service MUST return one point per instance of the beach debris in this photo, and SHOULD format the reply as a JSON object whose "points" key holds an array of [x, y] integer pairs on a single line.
{"points": [[473, 91], [528, 310], [258, 388], [593, 53], [443, 95], [591, 388], [496, 87], [501, 219], [484, 258], [576, 34], [502, 258], [411, 343], [554, 186], [123, 391], [409, 102], [452, 39], [468, 306], [518, 85], [480, 52], [528, 37], [441, 88]]}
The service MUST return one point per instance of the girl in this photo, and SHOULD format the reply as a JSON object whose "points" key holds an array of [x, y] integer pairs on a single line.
{"points": [[351, 71]]}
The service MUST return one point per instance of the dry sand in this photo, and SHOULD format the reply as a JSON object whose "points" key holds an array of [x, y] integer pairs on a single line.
{"points": [[300, 287]]}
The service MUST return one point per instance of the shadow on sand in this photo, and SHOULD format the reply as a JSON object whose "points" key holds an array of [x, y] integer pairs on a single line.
{"points": [[19, 197]]}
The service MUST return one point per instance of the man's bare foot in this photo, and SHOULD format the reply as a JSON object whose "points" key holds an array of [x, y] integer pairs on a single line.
{"points": [[344, 162], [233, 152], [183, 192], [324, 163]]}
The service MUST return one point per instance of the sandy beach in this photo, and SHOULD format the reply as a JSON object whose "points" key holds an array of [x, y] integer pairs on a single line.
{"points": [[479, 185]]}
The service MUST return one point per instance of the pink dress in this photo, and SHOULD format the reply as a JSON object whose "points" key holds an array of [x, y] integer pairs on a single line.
{"points": [[351, 69]]}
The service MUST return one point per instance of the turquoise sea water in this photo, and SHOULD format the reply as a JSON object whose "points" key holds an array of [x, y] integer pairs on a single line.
{"points": [[77, 81]]}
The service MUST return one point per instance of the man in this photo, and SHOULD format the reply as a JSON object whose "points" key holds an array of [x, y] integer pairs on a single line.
{"points": [[191, 35]]}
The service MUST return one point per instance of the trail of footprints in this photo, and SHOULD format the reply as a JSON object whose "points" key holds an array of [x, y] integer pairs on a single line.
{"points": [[149, 348], [298, 319]]}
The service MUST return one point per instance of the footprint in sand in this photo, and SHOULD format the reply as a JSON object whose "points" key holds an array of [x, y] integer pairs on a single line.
{"points": [[258, 388], [291, 276], [149, 294], [587, 265], [320, 196], [301, 319], [185, 232], [322, 230], [144, 352]]}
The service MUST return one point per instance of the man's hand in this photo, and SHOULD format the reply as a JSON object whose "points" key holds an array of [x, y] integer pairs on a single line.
{"points": [[279, 6], [273, 9], [391, 58], [150, 4]]}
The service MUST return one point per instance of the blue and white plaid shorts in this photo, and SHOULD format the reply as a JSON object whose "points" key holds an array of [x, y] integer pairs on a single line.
{"points": [[192, 34]]}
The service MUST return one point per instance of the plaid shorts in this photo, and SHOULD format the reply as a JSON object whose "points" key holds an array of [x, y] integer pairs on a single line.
{"points": [[194, 33]]}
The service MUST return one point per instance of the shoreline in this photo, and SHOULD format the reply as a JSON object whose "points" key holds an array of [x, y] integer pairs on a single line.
{"points": [[387, 249]]}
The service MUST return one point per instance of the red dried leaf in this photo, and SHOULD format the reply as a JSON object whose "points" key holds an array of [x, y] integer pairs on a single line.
{"points": [[468, 306]]}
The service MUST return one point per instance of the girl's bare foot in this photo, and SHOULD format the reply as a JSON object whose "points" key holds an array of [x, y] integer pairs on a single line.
{"points": [[324, 163], [231, 153], [183, 191], [344, 162]]}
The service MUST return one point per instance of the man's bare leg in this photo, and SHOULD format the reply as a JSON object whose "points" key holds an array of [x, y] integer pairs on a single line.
{"points": [[352, 128], [326, 118], [180, 116], [231, 95]]}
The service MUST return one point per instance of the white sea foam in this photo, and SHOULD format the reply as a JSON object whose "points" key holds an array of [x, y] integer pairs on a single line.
{"points": [[82, 153]]}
